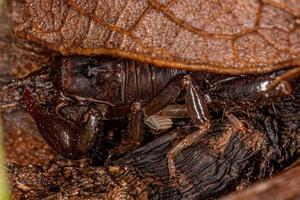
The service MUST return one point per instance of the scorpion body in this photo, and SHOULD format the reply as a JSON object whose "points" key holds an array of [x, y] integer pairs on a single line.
{"points": [[114, 88]]}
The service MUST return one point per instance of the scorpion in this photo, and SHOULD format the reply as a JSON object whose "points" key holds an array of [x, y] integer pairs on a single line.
{"points": [[114, 88]]}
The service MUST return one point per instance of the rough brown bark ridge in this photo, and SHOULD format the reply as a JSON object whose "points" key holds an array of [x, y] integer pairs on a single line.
{"points": [[281, 187]]}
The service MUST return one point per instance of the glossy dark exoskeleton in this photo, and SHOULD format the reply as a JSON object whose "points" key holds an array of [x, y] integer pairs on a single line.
{"points": [[109, 88]]}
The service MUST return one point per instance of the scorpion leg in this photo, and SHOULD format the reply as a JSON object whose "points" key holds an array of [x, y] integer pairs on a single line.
{"points": [[236, 122], [69, 140], [284, 78], [135, 129], [168, 95], [174, 111], [159, 123], [162, 120], [197, 110]]}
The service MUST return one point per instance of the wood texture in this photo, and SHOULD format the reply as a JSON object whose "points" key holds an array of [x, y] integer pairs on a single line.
{"points": [[281, 187]]}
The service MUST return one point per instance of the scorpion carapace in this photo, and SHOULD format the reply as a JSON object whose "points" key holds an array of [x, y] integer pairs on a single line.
{"points": [[104, 88], [115, 81]]}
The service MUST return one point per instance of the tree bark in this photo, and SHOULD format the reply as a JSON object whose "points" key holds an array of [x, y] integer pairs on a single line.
{"points": [[281, 187]]}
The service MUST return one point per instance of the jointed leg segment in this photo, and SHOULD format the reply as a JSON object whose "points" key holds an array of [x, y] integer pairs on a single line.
{"points": [[197, 110]]}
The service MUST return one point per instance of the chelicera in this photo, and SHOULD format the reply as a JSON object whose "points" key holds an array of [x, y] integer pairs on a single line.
{"points": [[116, 88]]}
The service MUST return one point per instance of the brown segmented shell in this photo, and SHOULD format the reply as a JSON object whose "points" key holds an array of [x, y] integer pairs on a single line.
{"points": [[229, 36]]}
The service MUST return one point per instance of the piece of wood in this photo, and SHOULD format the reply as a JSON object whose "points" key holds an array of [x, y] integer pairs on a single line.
{"points": [[281, 187]]}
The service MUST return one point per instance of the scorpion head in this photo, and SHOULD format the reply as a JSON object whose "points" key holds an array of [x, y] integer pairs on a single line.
{"points": [[88, 78]]}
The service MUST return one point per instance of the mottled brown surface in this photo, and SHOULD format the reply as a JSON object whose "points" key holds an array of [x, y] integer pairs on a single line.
{"points": [[233, 36], [25, 149], [17, 56], [36, 172], [280, 187]]}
